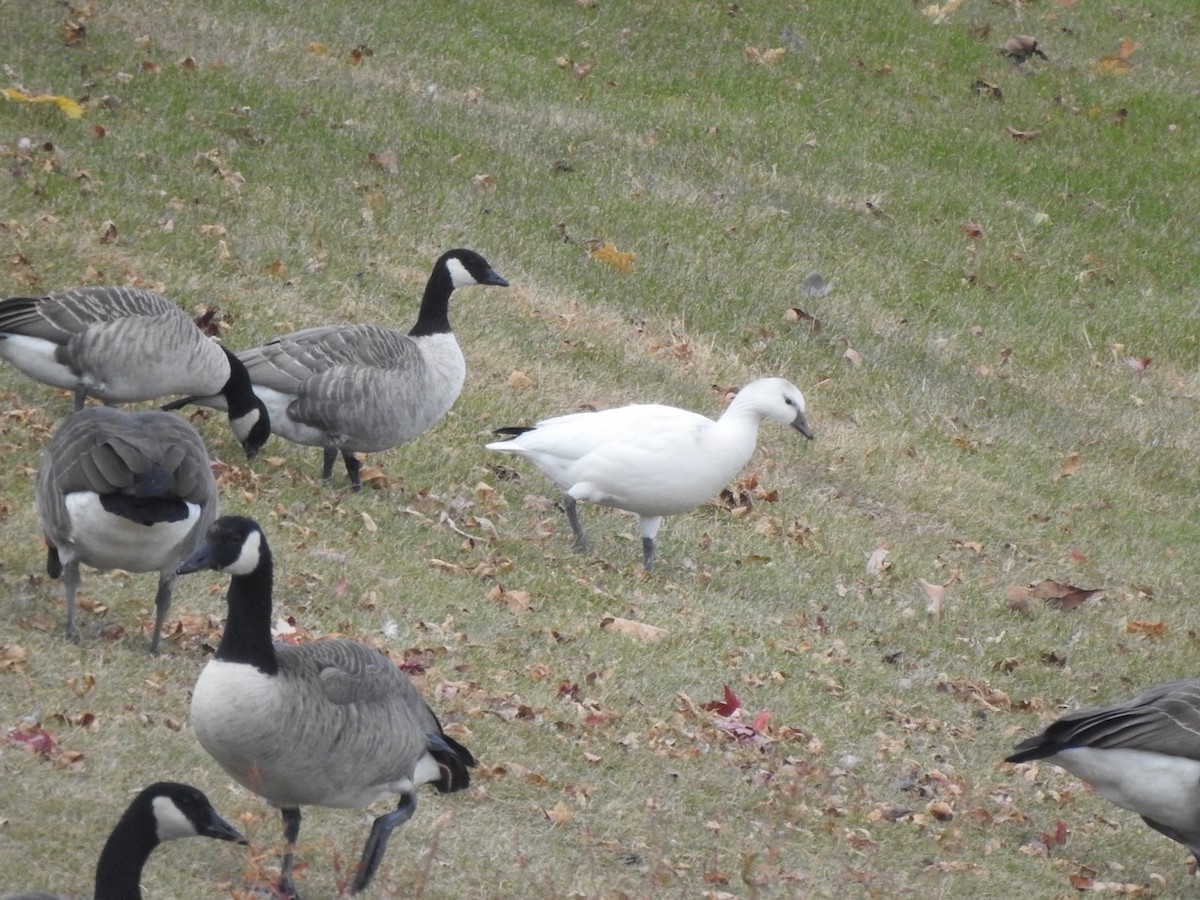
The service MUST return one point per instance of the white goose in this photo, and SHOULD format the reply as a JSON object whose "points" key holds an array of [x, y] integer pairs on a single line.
{"points": [[350, 388], [1142, 754], [331, 723], [165, 811], [650, 459], [125, 345], [123, 490]]}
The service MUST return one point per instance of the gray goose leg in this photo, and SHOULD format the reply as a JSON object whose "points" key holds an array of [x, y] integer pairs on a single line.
{"points": [[377, 841]]}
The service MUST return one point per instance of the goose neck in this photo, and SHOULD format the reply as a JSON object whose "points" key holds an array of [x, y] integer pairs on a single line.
{"points": [[119, 871], [238, 390], [247, 636], [434, 315]]}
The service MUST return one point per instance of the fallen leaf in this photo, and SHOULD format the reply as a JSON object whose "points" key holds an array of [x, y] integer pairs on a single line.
{"points": [[1019, 135], [640, 631], [725, 707], [1070, 465], [877, 562], [1153, 629], [795, 314], [1138, 363], [1064, 596], [936, 594], [518, 380], [69, 107], [607, 253]]}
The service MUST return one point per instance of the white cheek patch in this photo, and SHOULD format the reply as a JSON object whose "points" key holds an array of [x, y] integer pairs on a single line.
{"points": [[243, 425], [459, 274], [170, 822], [247, 560]]}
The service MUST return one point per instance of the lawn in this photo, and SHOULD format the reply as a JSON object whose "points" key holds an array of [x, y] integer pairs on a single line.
{"points": [[1002, 378]]}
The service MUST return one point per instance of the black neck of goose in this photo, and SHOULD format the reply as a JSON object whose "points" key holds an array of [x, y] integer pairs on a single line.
{"points": [[434, 317], [247, 637], [238, 390], [119, 871]]}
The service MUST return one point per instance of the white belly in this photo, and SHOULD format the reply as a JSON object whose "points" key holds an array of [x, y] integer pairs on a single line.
{"points": [[107, 541], [277, 403]]}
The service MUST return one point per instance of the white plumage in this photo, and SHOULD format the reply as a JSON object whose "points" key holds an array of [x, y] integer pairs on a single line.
{"points": [[650, 459]]}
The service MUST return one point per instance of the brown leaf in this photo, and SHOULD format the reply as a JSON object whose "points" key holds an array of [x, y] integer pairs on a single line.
{"points": [[1019, 135], [639, 631], [108, 232], [1063, 596], [385, 159], [795, 314], [1070, 465], [1151, 629], [936, 594]]}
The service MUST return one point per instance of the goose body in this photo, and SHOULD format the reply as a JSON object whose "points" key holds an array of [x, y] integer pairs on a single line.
{"points": [[1142, 755], [126, 345], [352, 388], [650, 459], [333, 723], [123, 490], [162, 812]]}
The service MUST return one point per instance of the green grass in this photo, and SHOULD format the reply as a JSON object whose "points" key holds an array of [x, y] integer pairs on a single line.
{"points": [[985, 363]]}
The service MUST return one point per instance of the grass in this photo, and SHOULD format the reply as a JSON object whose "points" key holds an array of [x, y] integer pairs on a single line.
{"points": [[992, 434]]}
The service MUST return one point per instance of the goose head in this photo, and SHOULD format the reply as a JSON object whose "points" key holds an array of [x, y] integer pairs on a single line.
{"points": [[234, 545], [466, 267], [180, 811], [778, 399]]}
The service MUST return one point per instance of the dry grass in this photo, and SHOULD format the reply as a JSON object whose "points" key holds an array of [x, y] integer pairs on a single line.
{"points": [[977, 415]]}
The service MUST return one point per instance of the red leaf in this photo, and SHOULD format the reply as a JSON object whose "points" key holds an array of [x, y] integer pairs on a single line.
{"points": [[727, 707], [1059, 838]]}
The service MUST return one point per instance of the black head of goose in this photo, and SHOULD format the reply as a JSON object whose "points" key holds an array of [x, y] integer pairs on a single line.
{"points": [[126, 345], [123, 490], [365, 388], [1142, 755], [165, 811], [332, 723]]}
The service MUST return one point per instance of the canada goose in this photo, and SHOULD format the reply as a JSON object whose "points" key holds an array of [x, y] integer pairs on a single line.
{"points": [[1143, 755], [124, 345], [164, 811], [123, 490], [350, 388], [650, 459], [333, 723]]}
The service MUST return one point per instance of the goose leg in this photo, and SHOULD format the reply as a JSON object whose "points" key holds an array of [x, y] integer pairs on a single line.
{"points": [[649, 525], [377, 841], [353, 469], [80, 396], [291, 831], [70, 588], [648, 553], [581, 543], [162, 602], [327, 463]]}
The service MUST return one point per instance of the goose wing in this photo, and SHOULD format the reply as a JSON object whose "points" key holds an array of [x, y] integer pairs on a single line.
{"points": [[1163, 720], [287, 362], [105, 450], [56, 317]]}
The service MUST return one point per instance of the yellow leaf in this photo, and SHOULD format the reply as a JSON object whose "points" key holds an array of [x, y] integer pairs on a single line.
{"points": [[317, 48], [70, 108], [607, 253]]}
